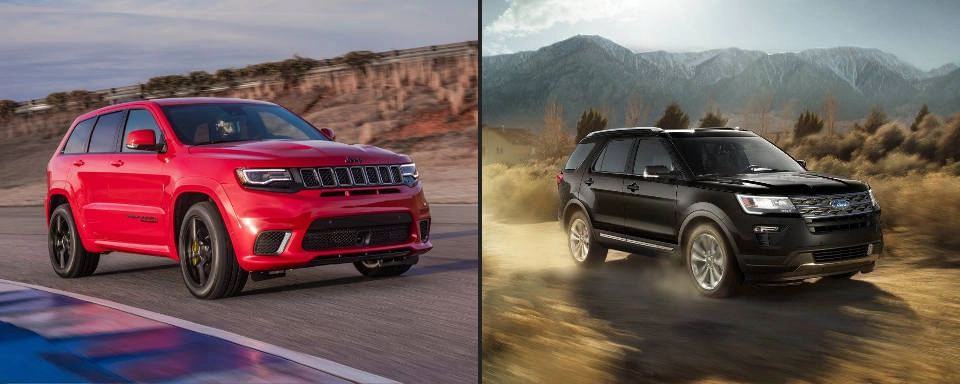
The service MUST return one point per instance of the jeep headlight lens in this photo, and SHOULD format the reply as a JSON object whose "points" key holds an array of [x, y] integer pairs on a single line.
{"points": [[259, 177], [756, 205], [409, 174]]}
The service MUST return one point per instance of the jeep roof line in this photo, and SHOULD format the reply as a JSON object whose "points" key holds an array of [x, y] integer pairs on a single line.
{"points": [[728, 202], [229, 188]]}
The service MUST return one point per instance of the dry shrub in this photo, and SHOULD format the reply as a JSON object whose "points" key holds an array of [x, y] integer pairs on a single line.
{"points": [[887, 138], [948, 146], [900, 164], [820, 146], [926, 205], [830, 165], [525, 192]]}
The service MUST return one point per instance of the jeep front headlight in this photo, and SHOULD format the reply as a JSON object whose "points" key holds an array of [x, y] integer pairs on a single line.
{"points": [[262, 177], [409, 174], [758, 205]]}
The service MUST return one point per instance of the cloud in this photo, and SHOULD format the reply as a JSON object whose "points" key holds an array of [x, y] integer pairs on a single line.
{"points": [[524, 17], [79, 44]]}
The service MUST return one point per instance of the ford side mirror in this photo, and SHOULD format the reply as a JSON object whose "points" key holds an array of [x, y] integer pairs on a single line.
{"points": [[803, 163], [328, 133], [143, 140], [655, 171]]}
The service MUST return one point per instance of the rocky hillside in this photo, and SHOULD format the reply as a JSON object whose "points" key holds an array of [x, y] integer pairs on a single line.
{"points": [[424, 107]]}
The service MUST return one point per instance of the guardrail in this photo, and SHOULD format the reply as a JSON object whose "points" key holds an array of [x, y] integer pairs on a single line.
{"points": [[134, 92]]}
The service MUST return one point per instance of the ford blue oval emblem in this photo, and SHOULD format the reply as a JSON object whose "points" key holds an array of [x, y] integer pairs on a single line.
{"points": [[839, 204]]}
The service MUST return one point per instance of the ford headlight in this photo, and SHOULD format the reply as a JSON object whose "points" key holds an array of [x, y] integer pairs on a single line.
{"points": [[262, 177], [758, 205], [409, 174], [873, 199]]}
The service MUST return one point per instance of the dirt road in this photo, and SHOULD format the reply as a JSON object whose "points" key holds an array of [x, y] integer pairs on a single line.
{"points": [[639, 318]]}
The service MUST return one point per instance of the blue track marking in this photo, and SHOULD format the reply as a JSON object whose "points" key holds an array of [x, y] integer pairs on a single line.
{"points": [[49, 337]]}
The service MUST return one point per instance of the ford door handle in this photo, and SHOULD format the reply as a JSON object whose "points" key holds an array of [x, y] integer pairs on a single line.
{"points": [[633, 187], [588, 182], [78, 163], [116, 163]]}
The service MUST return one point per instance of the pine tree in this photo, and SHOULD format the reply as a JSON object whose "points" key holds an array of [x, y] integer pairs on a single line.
{"points": [[673, 118], [713, 120], [807, 124], [591, 120], [920, 115]]}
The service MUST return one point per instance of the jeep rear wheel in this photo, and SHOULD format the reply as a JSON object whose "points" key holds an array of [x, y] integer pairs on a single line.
{"points": [[67, 255], [585, 251], [209, 265], [711, 262]]}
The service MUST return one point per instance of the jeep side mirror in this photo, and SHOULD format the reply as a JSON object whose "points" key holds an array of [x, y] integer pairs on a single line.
{"points": [[143, 140], [655, 171], [803, 163], [328, 133]]}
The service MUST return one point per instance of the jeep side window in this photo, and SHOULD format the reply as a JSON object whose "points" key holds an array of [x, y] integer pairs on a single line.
{"points": [[579, 155], [139, 119], [77, 143], [651, 152], [613, 159], [104, 137]]}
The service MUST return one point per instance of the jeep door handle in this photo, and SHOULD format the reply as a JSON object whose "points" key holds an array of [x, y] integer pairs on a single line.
{"points": [[633, 187], [116, 163], [588, 182], [79, 163]]}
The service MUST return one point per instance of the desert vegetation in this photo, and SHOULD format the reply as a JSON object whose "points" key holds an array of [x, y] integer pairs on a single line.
{"points": [[529, 305]]}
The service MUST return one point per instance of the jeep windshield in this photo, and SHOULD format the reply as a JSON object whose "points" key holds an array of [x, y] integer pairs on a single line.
{"points": [[198, 124], [734, 155]]}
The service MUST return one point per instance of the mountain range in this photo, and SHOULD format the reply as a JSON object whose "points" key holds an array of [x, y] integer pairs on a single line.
{"points": [[591, 71]]}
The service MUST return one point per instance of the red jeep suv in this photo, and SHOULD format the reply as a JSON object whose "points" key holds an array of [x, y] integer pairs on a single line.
{"points": [[229, 188]]}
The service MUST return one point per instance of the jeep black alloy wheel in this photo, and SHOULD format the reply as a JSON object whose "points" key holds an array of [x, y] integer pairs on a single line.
{"points": [[711, 263], [67, 255], [585, 251], [209, 265]]}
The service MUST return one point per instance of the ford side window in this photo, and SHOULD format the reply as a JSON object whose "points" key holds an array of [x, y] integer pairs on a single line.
{"points": [[579, 155], [104, 137], [77, 143], [651, 152], [140, 119], [613, 159]]}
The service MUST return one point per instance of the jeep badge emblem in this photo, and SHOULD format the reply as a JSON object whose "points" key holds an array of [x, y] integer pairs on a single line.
{"points": [[840, 204], [354, 160]]}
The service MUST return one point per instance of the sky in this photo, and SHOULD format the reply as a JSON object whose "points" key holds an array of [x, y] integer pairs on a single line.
{"points": [[62, 45], [924, 33]]}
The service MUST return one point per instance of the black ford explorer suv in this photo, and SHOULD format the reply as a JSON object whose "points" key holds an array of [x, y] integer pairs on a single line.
{"points": [[730, 203]]}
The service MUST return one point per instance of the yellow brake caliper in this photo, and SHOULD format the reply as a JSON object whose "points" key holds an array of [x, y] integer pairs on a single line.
{"points": [[195, 250]]}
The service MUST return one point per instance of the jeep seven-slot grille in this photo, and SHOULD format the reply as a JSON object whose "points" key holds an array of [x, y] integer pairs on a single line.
{"points": [[357, 231], [840, 254], [833, 213], [357, 176]]}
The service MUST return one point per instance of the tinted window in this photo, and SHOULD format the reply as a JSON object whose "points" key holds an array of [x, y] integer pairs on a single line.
{"points": [[214, 123], [77, 143], [140, 119], [651, 152], [579, 155], [734, 155], [614, 156], [104, 138]]}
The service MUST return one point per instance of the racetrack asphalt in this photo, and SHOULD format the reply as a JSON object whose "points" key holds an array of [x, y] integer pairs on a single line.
{"points": [[419, 327]]}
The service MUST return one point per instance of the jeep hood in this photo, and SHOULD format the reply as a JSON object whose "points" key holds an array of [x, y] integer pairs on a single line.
{"points": [[307, 153], [786, 183]]}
